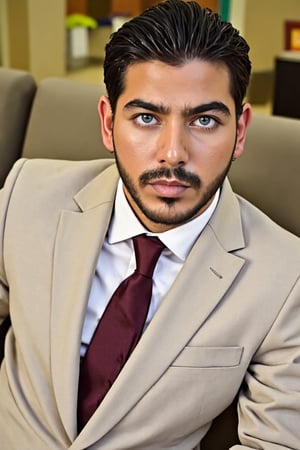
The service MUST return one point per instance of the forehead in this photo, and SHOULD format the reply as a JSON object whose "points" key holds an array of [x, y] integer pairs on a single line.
{"points": [[193, 82]]}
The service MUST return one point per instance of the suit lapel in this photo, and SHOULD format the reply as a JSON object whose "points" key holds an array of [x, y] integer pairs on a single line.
{"points": [[79, 239], [207, 274]]}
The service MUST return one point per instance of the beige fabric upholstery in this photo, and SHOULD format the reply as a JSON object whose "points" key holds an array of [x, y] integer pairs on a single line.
{"points": [[267, 174], [17, 89], [64, 123]]}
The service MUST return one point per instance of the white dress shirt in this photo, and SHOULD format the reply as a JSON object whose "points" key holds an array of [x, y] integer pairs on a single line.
{"points": [[117, 259]]}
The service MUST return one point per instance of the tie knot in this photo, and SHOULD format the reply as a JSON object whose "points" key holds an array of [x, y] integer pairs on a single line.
{"points": [[147, 251]]}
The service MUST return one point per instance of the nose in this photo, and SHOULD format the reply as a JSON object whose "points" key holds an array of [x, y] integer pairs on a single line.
{"points": [[172, 145]]}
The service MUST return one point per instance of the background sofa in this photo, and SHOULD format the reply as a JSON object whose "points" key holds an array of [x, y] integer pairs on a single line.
{"points": [[58, 119], [17, 89]]}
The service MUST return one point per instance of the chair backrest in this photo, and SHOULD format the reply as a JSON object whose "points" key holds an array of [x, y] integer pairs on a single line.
{"points": [[17, 89], [267, 174], [64, 122]]}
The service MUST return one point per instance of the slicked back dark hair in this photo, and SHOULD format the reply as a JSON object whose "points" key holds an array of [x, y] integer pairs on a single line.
{"points": [[175, 32]]}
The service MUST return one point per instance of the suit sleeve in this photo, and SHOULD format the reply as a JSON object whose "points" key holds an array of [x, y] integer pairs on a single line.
{"points": [[5, 196], [269, 403]]}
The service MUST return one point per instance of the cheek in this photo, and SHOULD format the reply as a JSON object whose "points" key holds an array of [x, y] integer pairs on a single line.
{"points": [[220, 145], [130, 154], [213, 152], [212, 156], [133, 147]]}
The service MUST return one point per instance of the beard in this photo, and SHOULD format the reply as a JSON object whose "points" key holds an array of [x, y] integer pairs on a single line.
{"points": [[168, 215]]}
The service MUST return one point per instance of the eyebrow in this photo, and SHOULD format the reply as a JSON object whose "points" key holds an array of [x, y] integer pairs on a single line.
{"points": [[137, 103], [212, 106], [161, 109]]}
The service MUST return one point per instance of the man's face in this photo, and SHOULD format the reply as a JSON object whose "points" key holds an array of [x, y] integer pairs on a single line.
{"points": [[174, 134]]}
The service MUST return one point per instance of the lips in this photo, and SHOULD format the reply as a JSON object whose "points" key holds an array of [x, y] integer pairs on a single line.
{"points": [[169, 188]]}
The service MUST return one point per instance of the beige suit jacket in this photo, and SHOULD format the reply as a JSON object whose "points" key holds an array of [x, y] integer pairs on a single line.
{"points": [[230, 323]]}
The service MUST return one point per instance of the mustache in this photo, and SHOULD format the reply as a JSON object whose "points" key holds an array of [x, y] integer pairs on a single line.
{"points": [[179, 173]]}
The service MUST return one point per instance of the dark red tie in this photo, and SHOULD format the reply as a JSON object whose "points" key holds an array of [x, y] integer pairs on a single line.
{"points": [[118, 330]]}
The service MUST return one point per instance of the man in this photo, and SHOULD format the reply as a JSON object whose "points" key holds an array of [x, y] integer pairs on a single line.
{"points": [[223, 318]]}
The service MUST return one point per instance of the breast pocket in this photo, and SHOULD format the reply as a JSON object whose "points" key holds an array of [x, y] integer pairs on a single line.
{"points": [[209, 357]]}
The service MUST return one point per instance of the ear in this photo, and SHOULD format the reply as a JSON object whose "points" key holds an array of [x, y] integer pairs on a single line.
{"points": [[106, 118], [242, 125]]}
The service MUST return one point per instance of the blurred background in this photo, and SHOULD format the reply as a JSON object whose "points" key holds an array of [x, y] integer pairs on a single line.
{"points": [[66, 38]]}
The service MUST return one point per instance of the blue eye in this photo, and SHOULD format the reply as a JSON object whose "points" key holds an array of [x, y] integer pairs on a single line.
{"points": [[205, 122], [145, 119]]}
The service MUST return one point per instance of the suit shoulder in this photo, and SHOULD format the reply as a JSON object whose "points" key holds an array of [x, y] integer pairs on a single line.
{"points": [[37, 185], [261, 231], [54, 168], [44, 173]]}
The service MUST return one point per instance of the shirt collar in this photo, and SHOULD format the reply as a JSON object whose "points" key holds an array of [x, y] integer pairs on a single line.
{"points": [[179, 240]]}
